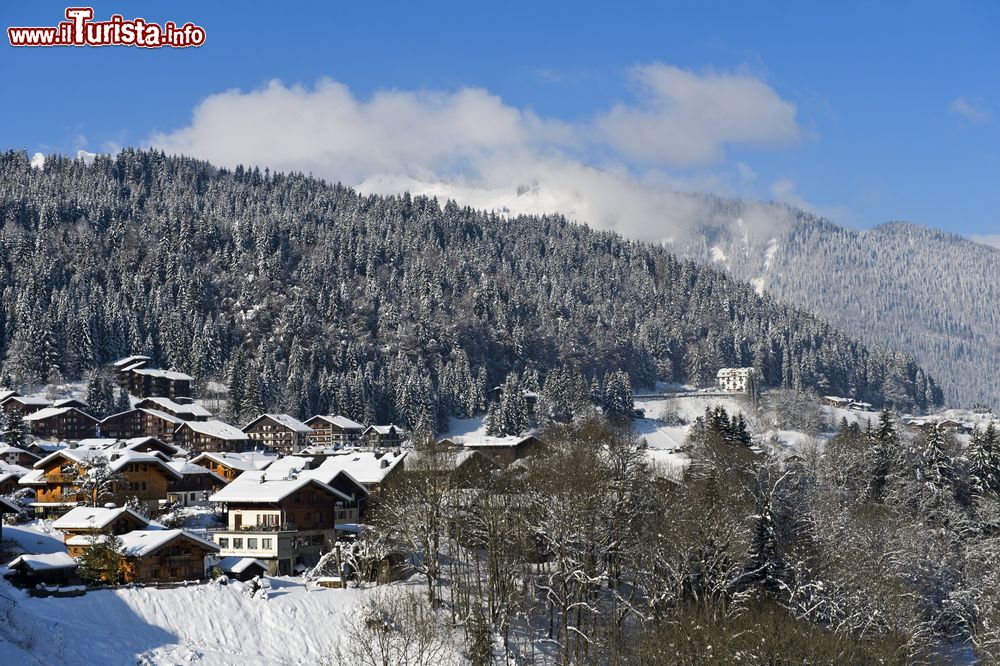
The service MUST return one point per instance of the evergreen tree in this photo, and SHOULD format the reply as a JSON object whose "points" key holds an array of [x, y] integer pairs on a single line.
{"points": [[15, 431]]}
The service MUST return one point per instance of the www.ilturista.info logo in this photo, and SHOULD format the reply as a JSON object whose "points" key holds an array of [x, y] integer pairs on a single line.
{"points": [[80, 30]]}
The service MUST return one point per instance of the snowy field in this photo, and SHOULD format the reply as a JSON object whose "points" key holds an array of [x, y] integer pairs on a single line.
{"points": [[204, 624]]}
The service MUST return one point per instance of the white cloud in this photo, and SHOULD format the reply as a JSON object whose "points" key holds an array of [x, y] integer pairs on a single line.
{"points": [[987, 239], [974, 111], [38, 161], [685, 120], [471, 146]]}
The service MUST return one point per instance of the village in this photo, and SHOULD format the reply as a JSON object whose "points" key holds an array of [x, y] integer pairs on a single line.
{"points": [[165, 495], [282, 491]]}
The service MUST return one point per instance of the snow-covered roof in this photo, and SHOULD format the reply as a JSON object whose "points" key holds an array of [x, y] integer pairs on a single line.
{"points": [[142, 542], [5, 449], [163, 374], [189, 409], [365, 467], [486, 441], [185, 468], [282, 419], [252, 487], [6, 506], [287, 465], [118, 459], [69, 402], [339, 421], [129, 360], [238, 565], [216, 428], [90, 517], [8, 394], [30, 401], [45, 562], [49, 412], [384, 429], [248, 460]]}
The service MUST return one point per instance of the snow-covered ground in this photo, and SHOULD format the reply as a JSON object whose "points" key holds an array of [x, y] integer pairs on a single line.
{"points": [[205, 624]]}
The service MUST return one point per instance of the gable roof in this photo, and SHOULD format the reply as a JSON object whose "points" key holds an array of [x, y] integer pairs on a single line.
{"points": [[58, 560], [384, 429], [340, 421], [365, 467], [238, 565], [90, 517], [6, 506], [192, 409], [41, 402], [250, 487], [5, 449], [118, 458], [163, 374], [284, 420], [50, 412], [215, 428], [129, 360], [248, 460], [139, 543]]}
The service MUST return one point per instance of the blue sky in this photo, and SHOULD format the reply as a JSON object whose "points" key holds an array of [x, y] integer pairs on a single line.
{"points": [[865, 111]]}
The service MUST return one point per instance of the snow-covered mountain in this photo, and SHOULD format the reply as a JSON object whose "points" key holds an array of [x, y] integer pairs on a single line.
{"points": [[900, 286]]}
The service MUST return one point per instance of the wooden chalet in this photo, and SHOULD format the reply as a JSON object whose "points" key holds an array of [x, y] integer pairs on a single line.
{"points": [[46, 569], [147, 382], [335, 431], [23, 405], [159, 555], [93, 522], [285, 522], [140, 422], [202, 436], [13, 455], [194, 486], [279, 432], [501, 450], [389, 436], [230, 465], [61, 423], [57, 479]]}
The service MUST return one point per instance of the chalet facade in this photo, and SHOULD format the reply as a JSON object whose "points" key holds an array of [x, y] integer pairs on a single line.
{"points": [[279, 432], [202, 436], [286, 523], [140, 422], [159, 556], [736, 380], [502, 451], [22, 405], [335, 431], [147, 382], [59, 479], [87, 521], [389, 436], [61, 423], [13, 455], [195, 486]]}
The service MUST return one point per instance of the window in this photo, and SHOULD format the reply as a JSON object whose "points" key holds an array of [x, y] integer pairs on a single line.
{"points": [[265, 544], [223, 542], [237, 542], [252, 544]]}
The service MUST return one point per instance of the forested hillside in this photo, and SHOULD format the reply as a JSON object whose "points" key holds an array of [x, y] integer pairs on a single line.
{"points": [[900, 286], [308, 298]]}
